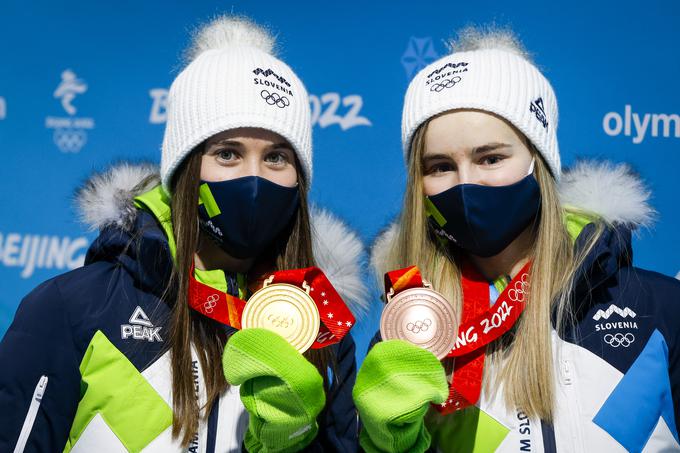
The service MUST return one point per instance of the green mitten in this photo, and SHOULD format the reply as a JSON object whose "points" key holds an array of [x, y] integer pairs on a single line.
{"points": [[393, 391], [281, 390]]}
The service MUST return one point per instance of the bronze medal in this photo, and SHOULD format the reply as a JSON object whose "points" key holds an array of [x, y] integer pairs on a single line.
{"points": [[420, 316]]}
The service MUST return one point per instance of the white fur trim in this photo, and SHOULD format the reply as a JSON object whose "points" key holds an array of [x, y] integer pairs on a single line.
{"points": [[227, 31], [490, 37], [612, 191], [106, 198], [338, 251], [379, 251]]}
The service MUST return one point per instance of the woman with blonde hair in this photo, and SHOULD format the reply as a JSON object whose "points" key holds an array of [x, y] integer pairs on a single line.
{"points": [[561, 343], [144, 348]]}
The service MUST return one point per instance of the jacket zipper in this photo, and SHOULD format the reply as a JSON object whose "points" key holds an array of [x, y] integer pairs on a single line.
{"points": [[30, 416], [575, 417]]}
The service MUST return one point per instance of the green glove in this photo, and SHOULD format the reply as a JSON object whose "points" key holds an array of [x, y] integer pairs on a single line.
{"points": [[393, 391], [281, 390]]}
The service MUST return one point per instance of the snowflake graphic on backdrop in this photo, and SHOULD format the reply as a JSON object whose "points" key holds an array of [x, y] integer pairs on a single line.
{"points": [[419, 53]]}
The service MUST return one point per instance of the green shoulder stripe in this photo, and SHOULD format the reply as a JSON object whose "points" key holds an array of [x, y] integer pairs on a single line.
{"points": [[157, 202], [112, 387]]}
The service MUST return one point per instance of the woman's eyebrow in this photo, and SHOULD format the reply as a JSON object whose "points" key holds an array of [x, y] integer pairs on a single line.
{"points": [[282, 145], [476, 150], [227, 141], [489, 147], [427, 157]]}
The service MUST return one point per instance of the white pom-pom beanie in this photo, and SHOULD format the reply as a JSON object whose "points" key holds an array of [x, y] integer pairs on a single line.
{"points": [[233, 80], [494, 76]]}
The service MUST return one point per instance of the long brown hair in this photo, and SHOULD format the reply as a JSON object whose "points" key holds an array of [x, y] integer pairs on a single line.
{"points": [[521, 362], [189, 329]]}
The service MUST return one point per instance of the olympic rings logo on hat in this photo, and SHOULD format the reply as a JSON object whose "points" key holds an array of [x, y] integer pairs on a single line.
{"points": [[445, 83], [619, 339], [211, 303], [419, 326], [275, 99]]}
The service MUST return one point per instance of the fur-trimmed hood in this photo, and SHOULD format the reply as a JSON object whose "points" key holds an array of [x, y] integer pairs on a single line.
{"points": [[613, 192], [106, 200]]}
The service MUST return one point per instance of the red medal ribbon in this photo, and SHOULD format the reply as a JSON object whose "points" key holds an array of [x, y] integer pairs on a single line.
{"points": [[336, 318], [403, 279], [215, 304], [480, 325], [492, 322]]}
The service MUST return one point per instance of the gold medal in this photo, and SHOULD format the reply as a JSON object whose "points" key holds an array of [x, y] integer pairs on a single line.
{"points": [[420, 316], [285, 309]]}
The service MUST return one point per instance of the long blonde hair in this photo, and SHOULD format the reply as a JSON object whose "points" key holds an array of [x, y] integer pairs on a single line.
{"points": [[521, 361]]}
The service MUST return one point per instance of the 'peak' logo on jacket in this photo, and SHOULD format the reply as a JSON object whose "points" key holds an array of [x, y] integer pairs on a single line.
{"points": [[140, 327]]}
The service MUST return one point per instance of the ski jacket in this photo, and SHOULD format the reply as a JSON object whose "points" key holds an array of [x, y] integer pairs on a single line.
{"points": [[86, 365], [617, 371]]}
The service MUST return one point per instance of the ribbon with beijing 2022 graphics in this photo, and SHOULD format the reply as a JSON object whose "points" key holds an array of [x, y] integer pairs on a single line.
{"points": [[480, 325], [336, 318]]}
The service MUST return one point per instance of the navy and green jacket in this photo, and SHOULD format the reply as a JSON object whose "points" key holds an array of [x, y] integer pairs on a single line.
{"points": [[86, 366], [617, 371]]}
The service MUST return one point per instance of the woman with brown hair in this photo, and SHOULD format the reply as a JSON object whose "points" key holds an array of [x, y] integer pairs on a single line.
{"points": [[561, 344], [142, 348]]}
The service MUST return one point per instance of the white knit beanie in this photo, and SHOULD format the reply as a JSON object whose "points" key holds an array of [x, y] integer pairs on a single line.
{"points": [[491, 72], [233, 80]]}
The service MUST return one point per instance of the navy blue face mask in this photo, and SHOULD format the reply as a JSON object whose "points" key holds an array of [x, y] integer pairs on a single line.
{"points": [[244, 215], [484, 220]]}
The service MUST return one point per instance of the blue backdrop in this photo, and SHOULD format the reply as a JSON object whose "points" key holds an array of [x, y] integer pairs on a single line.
{"points": [[613, 65]]}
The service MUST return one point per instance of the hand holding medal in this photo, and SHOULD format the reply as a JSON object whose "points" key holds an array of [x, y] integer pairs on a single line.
{"points": [[419, 315], [293, 311]]}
